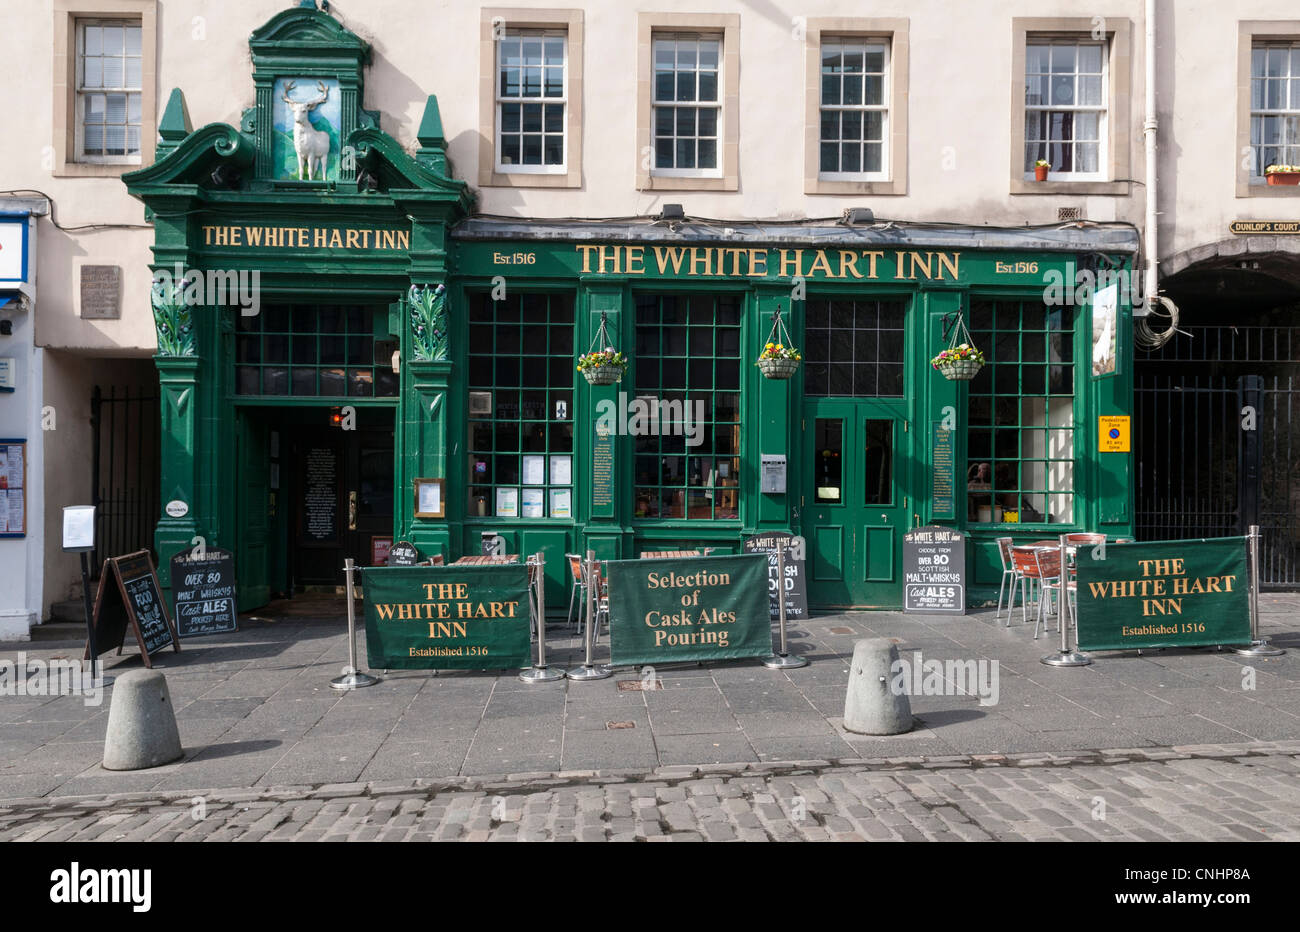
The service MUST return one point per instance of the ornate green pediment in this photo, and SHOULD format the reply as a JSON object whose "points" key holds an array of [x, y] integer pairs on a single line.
{"points": [[307, 131], [309, 76]]}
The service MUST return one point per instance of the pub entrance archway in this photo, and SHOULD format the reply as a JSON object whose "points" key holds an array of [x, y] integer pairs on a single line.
{"points": [[1217, 409]]}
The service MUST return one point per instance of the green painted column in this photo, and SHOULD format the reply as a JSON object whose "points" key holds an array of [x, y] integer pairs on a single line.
{"points": [[178, 387], [424, 452], [939, 444], [775, 407], [604, 514], [1110, 475]]}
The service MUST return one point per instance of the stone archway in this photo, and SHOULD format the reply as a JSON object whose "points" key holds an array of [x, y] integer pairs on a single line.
{"points": [[1272, 256], [1200, 472]]}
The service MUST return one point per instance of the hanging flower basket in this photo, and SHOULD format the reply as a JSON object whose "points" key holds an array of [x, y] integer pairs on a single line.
{"points": [[775, 368], [603, 375], [779, 360], [960, 362], [959, 370], [602, 367]]}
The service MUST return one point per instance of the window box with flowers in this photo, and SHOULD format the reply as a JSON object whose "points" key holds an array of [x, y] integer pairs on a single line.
{"points": [[1283, 174]]}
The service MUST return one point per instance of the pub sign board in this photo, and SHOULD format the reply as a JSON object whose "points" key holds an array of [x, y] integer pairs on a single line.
{"points": [[203, 593], [699, 608], [1172, 593], [934, 571], [129, 595], [794, 585], [447, 617]]}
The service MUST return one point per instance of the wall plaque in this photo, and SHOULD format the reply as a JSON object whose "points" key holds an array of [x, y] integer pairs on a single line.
{"points": [[943, 474], [101, 292], [602, 474]]}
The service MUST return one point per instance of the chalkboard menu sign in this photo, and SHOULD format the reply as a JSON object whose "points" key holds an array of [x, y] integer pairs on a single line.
{"points": [[129, 596], [320, 493], [794, 585], [403, 553], [934, 571], [203, 592]]}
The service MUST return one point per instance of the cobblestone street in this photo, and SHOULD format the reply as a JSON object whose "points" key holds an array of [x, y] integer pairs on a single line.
{"points": [[1205, 793]]}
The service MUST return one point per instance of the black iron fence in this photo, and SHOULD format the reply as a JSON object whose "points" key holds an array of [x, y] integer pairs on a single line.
{"points": [[125, 427], [1216, 454]]}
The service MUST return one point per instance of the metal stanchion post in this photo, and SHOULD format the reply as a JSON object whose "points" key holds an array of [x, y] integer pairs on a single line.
{"points": [[589, 670], [783, 660], [540, 672], [1067, 657], [1259, 646], [352, 678]]}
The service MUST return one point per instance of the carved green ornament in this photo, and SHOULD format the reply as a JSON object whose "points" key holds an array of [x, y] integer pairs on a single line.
{"points": [[428, 322], [171, 318]]}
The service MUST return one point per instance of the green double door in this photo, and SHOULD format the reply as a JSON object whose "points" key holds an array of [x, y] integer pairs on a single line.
{"points": [[855, 507]]}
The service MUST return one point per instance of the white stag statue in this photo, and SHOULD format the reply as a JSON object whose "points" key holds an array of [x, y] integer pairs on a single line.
{"points": [[311, 145]]}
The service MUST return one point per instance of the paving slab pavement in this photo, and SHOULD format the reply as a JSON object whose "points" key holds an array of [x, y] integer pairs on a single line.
{"points": [[255, 708]]}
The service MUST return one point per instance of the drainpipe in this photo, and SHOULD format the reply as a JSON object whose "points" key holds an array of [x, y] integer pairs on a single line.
{"points": [[1149, 128], [1143, 335]]}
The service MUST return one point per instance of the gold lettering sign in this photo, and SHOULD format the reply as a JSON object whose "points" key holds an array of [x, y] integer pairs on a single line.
{"points": [[743, 262], [1161, 587], [1274, 227], [259, 236]]}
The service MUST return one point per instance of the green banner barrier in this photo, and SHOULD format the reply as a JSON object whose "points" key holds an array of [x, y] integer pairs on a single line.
{"points": [[1170, 593], [446, 617], [693, 608]]}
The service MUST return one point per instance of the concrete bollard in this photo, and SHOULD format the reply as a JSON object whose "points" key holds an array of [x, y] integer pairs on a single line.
{"points": [[141, 723], [870, 706]]}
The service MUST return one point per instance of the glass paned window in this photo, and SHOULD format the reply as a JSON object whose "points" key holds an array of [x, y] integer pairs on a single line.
{"points": [[108, 90], [828, 464], [1274, 106], [853, 349], [854, 110], [521, 372], [324, 350], [1065, 106], [531, 97], [1020, 434], [687, 104], [688, 365]]}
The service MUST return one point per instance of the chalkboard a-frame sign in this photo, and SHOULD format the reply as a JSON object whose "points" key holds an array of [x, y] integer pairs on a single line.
{"points": [[129, 594]]}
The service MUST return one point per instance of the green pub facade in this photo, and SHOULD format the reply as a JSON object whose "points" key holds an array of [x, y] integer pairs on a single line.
{"points": [[393, 336]]}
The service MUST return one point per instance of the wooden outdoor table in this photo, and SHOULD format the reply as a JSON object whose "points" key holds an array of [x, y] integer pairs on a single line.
{"points": [[488, 561], [668, 554]]}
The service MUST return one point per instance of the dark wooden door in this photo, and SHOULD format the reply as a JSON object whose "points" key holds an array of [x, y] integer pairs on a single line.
{"points": [[343, 499]]}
